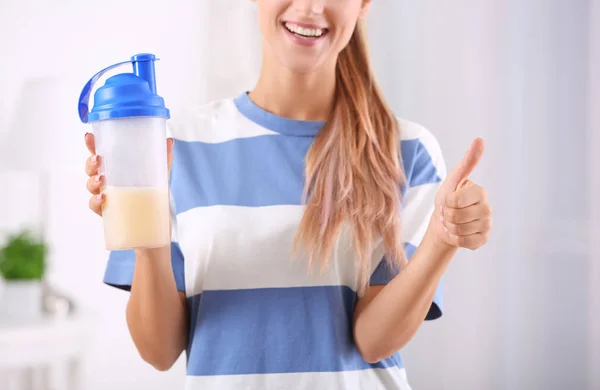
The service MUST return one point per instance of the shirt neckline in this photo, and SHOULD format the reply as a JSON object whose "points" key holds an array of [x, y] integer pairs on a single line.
{"points": [[274, 122]]}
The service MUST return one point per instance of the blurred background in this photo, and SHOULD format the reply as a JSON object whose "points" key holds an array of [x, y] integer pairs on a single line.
{"points": [[521, 313]]}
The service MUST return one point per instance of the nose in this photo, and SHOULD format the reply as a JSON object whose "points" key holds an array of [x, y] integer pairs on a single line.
{"points": [[309, 7]]}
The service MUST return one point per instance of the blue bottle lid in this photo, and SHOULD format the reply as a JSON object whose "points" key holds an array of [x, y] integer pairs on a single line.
{"points": [[125, 95]]}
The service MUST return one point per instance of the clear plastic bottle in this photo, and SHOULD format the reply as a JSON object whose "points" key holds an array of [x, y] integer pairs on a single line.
{"points": [[129, 125]]}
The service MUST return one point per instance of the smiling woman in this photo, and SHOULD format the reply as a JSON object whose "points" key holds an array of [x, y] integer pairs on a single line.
{"points": [[288, 267]]}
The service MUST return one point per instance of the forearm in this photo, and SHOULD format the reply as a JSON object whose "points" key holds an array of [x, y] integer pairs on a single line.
{"points": [[395, 314], [156, 312]]}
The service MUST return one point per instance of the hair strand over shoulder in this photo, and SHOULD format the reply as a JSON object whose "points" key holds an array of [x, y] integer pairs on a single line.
{"points": [[353, 169]]}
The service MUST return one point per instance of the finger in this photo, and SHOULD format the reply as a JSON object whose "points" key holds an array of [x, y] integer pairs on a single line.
{"points": [[94, 184], [466, 229], [92, 164], [96, 203], [468, 195], [170, 143], [467, 214], [90, 142], [467, 164], [473, 241]]}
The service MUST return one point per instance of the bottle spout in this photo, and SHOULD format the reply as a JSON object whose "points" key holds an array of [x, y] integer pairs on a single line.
{"points": [[143, 67]]}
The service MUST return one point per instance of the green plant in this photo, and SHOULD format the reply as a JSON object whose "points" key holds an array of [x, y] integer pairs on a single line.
{"points": [[23, 257]]}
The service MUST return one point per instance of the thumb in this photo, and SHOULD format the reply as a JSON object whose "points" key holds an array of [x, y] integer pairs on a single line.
{"points": [[467, 164]]}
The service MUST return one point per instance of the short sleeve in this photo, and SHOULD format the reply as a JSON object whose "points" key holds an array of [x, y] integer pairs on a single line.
{"points": [[425, 170], [121, 264]]}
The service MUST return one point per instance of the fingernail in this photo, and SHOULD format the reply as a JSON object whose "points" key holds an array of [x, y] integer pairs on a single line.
{"points": [[98, 178], [99, 197], [95, 159], [445, 229]]}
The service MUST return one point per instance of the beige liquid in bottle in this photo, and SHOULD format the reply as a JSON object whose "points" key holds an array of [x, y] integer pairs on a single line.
{"points": [[136, 217]]}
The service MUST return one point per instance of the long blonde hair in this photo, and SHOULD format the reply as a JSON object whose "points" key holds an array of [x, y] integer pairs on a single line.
{"points": [[353, 168]]}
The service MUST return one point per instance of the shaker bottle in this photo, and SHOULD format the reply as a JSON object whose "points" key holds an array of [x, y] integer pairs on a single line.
{"points": [[129, 125]]}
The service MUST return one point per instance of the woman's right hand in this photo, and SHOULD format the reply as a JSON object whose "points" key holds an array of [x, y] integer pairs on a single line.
{"points": [[96, 181]]}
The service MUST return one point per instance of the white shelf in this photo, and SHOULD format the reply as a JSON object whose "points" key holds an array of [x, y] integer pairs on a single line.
{"points": [[27, 349]]}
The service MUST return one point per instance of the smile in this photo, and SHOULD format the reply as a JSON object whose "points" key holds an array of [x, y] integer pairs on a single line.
{"points": [[304, 32]]}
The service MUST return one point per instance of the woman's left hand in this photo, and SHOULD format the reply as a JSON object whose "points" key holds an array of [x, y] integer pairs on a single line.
{"points": [[462, 216]]}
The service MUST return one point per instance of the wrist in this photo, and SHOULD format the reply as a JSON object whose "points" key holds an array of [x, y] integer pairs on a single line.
{"points": [[151, 252], [437, 245]]}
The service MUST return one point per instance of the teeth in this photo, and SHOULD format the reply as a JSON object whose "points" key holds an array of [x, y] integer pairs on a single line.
{"points": [[306, 32]]}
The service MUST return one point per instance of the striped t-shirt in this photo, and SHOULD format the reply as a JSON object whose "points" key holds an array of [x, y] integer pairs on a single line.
{"points": [[258, 318]]}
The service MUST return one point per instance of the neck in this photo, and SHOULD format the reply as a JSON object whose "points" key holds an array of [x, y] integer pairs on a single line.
{"points": [[294, 95]]}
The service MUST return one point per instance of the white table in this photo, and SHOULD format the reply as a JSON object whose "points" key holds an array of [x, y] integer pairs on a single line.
{"points": [[29, 353]]}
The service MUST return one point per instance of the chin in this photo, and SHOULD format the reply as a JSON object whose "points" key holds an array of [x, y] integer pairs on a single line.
{"points": [[301, 62], [303, 67]]}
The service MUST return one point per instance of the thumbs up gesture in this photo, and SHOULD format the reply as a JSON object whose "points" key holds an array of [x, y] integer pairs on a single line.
{"points": [[462, 216]]}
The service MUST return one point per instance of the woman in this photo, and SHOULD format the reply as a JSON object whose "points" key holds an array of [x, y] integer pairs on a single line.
{"points": [[288, 268]]}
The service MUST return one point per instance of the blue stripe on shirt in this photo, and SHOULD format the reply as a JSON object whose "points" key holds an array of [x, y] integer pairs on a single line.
{"points": [[417, 163], [261, 171], [252, 331]]}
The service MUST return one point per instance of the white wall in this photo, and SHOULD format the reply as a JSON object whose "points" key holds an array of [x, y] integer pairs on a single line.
{"points": [[514, 72]]}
